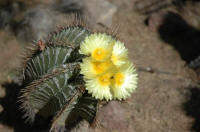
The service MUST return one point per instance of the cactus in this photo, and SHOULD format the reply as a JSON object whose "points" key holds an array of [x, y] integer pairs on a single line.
{"points": [[67, 76], [53, 85]]}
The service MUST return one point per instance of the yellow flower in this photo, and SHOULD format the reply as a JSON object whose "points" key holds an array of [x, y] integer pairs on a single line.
{"points": [[119, 54], [107, 71], [98, 46], [124, 82], [99, 86], [91, 68]]}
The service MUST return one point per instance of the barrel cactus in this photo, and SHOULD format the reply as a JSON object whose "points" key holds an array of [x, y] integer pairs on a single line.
{"points": [[58, 75]]}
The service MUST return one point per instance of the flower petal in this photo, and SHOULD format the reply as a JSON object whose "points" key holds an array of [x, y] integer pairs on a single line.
{"points": [[99, 87], [124, 82], [98, 45], [119, 54]]}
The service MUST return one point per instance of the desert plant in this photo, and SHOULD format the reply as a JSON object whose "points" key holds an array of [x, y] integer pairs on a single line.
{"points": [[53, 85], [52, 80]]}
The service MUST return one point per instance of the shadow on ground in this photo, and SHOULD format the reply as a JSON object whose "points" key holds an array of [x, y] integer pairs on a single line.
{"points": [[12, 116], [184, 38], [192, 107], [175, 31]]}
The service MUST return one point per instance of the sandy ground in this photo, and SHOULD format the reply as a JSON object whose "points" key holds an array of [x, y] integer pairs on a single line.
{"points": [[167, 96]]}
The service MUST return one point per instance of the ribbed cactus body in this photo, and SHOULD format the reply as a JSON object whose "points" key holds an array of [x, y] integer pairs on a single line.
{"points": [[53, 84], [46, 61], [73, 35]]}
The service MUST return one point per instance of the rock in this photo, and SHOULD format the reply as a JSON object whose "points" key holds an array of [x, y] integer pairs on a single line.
{"points": [[114, 117], [32, 3], [68, 6], [5, 17], [151, 6], [155, 20], [39, 21], [37, 24], [7, 14], [99, 11]]}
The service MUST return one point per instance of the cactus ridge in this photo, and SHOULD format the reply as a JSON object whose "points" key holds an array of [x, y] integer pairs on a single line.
{"points": [[86, 107], [73, 35], [58, 49], [63, 114], [45, 62], [52, 80], [40, 93]]}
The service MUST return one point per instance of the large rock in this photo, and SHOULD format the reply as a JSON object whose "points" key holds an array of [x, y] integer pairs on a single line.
{"points": [[37, 24], [101, 11]]}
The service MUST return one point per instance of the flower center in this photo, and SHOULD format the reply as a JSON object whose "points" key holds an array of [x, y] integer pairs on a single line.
{"points": [[119, 79], [104, 80], [114, 59], [99, 54], [101, 67]]}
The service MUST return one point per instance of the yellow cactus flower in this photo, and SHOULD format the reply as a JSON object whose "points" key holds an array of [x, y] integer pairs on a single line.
{"points": [[124, 82], [107, 71], [119, 54], [91, 68], [98, 46], [99, 86]]}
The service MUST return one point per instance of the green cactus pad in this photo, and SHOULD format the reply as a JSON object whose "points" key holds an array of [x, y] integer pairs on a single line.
{"points": [[86, 107], [45, 62], [53, 85], [73, 35]]}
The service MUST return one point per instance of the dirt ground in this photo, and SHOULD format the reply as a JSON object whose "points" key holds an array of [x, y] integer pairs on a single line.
{"points": [[160, 46]]}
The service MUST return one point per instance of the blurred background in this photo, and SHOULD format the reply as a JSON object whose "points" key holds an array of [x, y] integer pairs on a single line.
{"points": [[163, 38]]}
